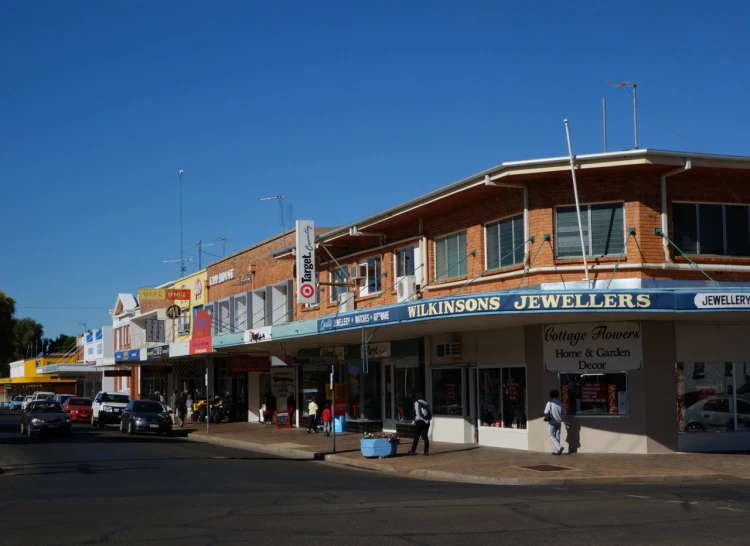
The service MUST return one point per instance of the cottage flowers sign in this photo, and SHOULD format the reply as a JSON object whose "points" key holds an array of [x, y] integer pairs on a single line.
{"points": [[595, 347]]}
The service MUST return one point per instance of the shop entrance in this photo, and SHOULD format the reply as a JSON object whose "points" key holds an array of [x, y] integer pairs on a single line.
{"points": [[401, 382]]}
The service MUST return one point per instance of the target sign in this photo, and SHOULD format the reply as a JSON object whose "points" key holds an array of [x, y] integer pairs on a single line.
{"points": [[307, 290]]}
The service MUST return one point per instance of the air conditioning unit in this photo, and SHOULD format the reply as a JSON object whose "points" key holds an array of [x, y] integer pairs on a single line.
{"points": [[359, 271], [406, 288], [346, 302], [449, 350]]}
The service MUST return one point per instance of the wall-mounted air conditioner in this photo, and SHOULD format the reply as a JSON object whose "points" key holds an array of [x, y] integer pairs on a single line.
{"points": [[346, 302], [357, 272], [449, 350], [406, 288]]}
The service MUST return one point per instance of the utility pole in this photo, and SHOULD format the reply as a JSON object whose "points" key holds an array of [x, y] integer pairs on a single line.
{"points": [[182, 262], [634, 86]]}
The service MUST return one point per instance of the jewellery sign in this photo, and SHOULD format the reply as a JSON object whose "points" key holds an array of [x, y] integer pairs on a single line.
{"points": [[305, 253], [592, 347]]}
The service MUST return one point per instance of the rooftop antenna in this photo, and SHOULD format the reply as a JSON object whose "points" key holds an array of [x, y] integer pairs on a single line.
{"points": [[182, 261], [200, 245], [634, 86], [281, 211], [604, 122], [223, 245], [84, 326]]}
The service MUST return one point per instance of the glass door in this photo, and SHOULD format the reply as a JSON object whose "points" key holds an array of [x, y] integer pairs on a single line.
{"points": [[390, 415]]}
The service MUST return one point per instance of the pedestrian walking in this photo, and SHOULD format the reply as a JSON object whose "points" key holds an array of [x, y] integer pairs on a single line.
{"points": [[173, 406], [553, 414], [189, 405], [181, 409], [422, 418], [327, 420], [312, 409]]}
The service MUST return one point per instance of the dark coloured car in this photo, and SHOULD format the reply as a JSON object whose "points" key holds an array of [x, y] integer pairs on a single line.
{"points": [[45, 416], [62, 398], [146, 416], [79, 409]]}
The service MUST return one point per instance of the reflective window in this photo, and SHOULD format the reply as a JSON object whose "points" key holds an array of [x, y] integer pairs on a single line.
{"points": [[603, 394], [447, 391]]}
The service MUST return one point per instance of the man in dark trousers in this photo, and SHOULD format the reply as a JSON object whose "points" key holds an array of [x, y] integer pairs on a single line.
{"points": [[422, 417]]}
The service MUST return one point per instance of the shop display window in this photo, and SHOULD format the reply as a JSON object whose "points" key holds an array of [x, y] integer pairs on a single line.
{"points": [[447, 391], [713, 396], [502, 397], [603, 394]]}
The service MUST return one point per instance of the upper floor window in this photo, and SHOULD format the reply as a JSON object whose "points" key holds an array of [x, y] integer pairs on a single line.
{"points": [[405, 260], [339, 275], [603, 230], [373, 282], [722, 230], [504, 241], [450, 256]]}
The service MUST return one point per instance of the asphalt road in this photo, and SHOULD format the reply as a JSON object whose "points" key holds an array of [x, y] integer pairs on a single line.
{"points": [[105, 487]]}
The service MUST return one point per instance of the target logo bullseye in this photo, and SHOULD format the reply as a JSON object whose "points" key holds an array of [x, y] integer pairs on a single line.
{"points": [[307, 290]]}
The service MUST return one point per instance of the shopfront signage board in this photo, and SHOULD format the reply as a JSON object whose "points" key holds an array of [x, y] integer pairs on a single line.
{"points": [[592, 347], [282, 419], [256, 335], [305, 254], [249, 363], [158, 352]]}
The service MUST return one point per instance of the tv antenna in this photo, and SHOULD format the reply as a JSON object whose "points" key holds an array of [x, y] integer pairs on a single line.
{"points": [[634, 87], [84, 326], [182, 263], [281, 211]]}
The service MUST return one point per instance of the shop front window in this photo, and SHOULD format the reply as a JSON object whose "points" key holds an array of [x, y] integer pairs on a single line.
{"points": [[447, 391], [713, 396], [603, 394], [502, 397]]}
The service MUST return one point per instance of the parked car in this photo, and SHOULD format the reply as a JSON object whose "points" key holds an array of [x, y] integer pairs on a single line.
{"points": [[17, 403], [26, 402], [107, 408], [62, 398], [45, 416], [716, 414], [79, 409], [146, 416], [41, 395]]}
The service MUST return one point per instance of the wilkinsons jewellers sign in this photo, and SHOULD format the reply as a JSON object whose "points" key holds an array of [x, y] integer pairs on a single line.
{"points": [[541, 302], [592, 347]]}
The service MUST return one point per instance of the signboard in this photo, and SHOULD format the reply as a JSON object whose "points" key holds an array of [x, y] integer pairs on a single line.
{"points": [[173, 311], [282, 419], [721, 300], [596, 347], [177, 294], [304, 360], [118, 373], [381, 349], [158, 352], [152, 294], [282, 385], [201, 342], [305, 252], [249, 363], [257, 335], [219, 278], [593, 392], [128, 356]]}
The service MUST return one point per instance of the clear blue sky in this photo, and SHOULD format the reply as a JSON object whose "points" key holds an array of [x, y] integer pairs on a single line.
{"points": [[345, 107]]}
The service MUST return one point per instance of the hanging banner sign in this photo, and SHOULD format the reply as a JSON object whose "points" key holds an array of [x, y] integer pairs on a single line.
{"points": [[592, 347], [305, 252], [201, 341]]}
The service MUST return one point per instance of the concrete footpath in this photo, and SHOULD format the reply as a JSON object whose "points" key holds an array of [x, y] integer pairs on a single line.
{"points": [[474, 464]]}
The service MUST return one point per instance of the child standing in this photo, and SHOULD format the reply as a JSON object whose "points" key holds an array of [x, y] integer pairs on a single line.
{"points": [[327, 420], [189, 405]]}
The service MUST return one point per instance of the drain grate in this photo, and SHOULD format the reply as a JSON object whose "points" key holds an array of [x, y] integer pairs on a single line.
{"points": [[546, 468]]}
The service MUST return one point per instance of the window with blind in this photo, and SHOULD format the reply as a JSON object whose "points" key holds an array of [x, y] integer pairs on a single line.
{"points": [[504, 241], [450, 256], [603, 230], [722, 230]]}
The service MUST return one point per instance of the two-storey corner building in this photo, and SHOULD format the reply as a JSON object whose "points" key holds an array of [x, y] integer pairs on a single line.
{"points": [[485, 295], [118, 378]]}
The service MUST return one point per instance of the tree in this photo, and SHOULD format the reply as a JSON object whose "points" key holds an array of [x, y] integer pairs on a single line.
{"points": [[27, 334], [63, 344], [7, 308]]}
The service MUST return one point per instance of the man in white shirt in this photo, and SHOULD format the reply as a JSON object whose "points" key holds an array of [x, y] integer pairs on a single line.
{"points": [[553, 414]]}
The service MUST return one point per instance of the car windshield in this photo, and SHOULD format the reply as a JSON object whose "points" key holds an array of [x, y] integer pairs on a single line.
{"points": [[150, 407], [46, 407], [79, 402], [19, 398], [117, 398]]}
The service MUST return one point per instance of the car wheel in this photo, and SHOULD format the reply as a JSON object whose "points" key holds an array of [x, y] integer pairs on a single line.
{"points": [[100, 422], [695, 427], [122, 426], [28, 432], [131, 428], [93, 421], [23, 428]]}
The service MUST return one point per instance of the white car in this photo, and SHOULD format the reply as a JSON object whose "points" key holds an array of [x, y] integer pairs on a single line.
{"points": [[26, 402], [39, 395], [107, 408]]}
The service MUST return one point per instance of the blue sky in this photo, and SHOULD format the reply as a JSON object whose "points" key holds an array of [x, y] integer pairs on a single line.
{"points": [[344, 107]]}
